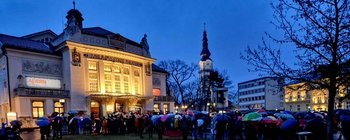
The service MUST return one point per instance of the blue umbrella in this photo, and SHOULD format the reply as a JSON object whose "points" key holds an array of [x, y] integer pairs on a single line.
{"points": [[287, 112], [16, 122], [87, 121], [42, 123], [200, 122], [288, 124], [344, 118], [43, 118], [72, 112], [286, 116], [221, 118]]}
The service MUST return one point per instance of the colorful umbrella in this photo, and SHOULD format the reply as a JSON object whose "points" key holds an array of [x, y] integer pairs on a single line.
{"points": [[271, 117], [261, 110], [164, 117], [178, 117], [72, 112], [267, 120], [251, 116]]}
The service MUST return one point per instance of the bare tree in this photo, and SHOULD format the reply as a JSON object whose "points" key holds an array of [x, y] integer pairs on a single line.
{"points": [[320, 32], [180, 73]]}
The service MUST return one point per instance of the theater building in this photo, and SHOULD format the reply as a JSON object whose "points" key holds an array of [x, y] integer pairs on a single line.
{"points": [[83, 69]]}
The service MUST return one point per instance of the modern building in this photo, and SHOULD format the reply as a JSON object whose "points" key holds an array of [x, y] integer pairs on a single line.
{"points": [[92, 70], [299, 97], [266, 92]]}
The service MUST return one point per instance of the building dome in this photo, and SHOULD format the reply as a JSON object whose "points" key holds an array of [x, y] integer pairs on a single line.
{"points": [[77, 15]]}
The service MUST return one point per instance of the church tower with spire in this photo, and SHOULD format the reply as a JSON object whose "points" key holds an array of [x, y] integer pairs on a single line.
{"points": [[205, 67]]}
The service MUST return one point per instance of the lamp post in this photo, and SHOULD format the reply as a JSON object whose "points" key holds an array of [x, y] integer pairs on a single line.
{"points": [[208, 104], [176, 108]]}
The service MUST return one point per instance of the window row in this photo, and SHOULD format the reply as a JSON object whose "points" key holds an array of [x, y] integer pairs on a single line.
{"points": [[117, 79], [38, 108], [252, 99], [248, 85], [252, 91]]}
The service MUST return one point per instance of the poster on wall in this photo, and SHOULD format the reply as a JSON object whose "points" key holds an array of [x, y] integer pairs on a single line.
{"points": [[43, 83]]}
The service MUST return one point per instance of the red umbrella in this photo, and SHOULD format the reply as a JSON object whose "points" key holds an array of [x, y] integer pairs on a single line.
{"points": [[261, 110]]}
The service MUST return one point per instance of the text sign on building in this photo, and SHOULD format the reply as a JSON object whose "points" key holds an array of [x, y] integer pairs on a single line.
{"points": [[43, 83]]}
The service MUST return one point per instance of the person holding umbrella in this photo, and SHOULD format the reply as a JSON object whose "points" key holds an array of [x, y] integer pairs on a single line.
{"points": [[44, 125]]}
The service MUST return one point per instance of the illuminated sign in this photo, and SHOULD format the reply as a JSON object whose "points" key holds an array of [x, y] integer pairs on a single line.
{"points": [[43, 83]]}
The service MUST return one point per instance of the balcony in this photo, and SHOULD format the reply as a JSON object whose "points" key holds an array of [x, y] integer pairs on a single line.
{"points": [[164, 98], [36, 92]]}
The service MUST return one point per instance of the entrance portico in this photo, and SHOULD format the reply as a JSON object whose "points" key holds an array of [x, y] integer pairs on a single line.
{"points": [[109, 103]]}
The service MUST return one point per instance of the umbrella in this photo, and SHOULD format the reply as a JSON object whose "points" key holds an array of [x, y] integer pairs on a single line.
{"points": [[251, 116], [300, 114], [54, 114], [16, 122], [277, 115], [155, 119], [286, 116], [261, 110], [164, 117], [205, 112], [271, 117], [178, 117], [87, 121], [342, 111], [287, 112], [264, 113], [221, 118], [344, 118], [43, 118], [268, 120], [200, 122], [189, 112], [288, 124], [319, 115], [42, 123], [72, 112]]}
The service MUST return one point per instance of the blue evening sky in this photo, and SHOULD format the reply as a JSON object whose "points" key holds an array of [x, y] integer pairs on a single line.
{"points": [[174, 27]]}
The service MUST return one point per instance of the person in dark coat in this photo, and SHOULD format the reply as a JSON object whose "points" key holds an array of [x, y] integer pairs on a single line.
{"points": [[57, 127], [45, 132], [141, 125], [160, 129], [184, 125]]}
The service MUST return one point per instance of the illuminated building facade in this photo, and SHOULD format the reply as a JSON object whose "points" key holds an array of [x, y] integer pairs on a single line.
{"points": [[298, 97], [92, 70]]}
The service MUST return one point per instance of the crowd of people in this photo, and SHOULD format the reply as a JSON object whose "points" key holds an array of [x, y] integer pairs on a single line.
{"points": [[251, 125]]}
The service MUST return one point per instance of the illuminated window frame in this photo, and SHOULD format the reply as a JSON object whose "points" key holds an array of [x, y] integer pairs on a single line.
{"points": [[93, 82], [38, 110], [58, 107]]}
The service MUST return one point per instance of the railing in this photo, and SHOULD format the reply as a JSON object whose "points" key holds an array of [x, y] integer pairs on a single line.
{"points": [[36, 92], [164, 98]]}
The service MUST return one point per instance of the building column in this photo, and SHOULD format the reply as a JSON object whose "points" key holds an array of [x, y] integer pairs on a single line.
{"points": [[49, 107], [103, 108]]}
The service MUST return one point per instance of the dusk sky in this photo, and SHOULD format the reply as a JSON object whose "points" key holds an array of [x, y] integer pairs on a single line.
{"points": [[174, 27]]}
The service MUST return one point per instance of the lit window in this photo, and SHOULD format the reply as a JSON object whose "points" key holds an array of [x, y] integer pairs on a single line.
{"points": [[108, 86], [126, 71], [126, 84], [156, 107], [166, 108], [137, 73], [92, 65], [117, 69], [93, 76], [59, 107], [38, 109], [156, 92], [137, 85], [108, 76], [117, 83], [107, 68]]}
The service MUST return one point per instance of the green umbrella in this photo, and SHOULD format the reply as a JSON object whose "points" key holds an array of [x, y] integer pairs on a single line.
{"points": [[251, 116]]}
